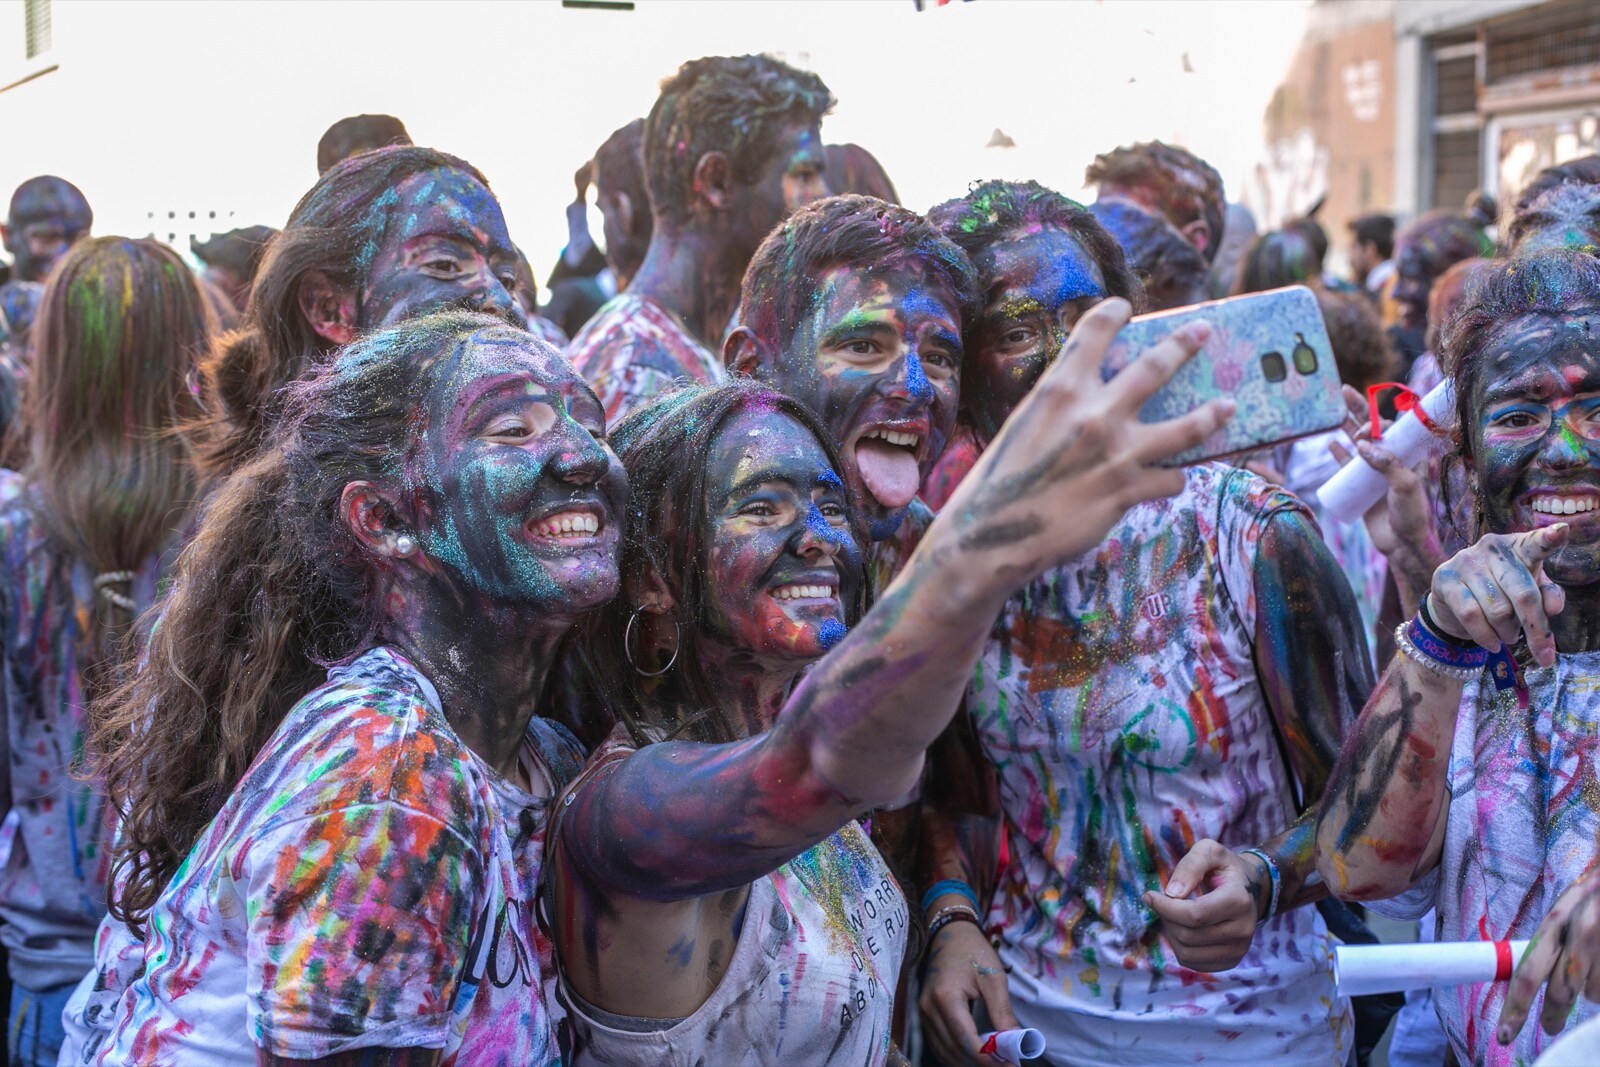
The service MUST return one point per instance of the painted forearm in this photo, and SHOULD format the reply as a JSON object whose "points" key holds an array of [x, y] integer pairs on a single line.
{"points": [[1294, 851], [678, 820], [1311, 649], [1378, 831]]}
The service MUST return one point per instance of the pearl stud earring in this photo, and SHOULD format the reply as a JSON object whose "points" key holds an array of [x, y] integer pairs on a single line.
{"points": [[405, 544]]}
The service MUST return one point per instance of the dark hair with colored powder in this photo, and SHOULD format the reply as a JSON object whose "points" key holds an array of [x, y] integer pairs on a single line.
{"points": [[1361, 348], [336, 228], [1187, 187], [1376, 230], [1567, 201], [356, 134], [665, 445], [736, 105], [272, 589], [120, 327], [852, 169], [1275, 259], [1585, 170], [784, 279], [619, 168], [996, 211], [1316, 239], [1171, 270]]}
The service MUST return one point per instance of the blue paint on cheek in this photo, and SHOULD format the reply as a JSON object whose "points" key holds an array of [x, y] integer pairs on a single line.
{"points": [[827, 477], [916, 381], [830, 633]]}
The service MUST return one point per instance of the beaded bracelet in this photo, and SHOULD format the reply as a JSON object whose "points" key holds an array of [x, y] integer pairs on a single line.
{"points": [[952, 913], [949, 885], [1422, 646], [1277, 882]]}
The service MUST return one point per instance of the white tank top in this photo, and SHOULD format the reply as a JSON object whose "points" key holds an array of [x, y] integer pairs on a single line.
{"points": [[811, 980]]}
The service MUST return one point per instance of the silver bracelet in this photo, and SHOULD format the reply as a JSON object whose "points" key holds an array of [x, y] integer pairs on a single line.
{"points": [[1411, 652], [1273, 876]]}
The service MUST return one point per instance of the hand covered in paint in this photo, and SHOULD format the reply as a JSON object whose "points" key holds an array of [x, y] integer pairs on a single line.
{"points": [[1073, 457], [1564, 958], [963, 969], [1496, 590], [1212, 929], [1401, 524]]}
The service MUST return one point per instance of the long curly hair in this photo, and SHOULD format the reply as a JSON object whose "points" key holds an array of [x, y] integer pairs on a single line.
{"points": [[665, 446], [336, 228], [120, 327], [272, 590]]}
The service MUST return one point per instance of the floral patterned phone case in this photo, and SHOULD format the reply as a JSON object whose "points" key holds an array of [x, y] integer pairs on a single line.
{"points": [[1268, 351]]}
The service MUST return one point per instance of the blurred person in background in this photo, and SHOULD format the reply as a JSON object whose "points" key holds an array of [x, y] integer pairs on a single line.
{"points": [[1171, 180], [231, 260], [356, 134], [1372, 251], [87, 535], [46, 217], [1423, 251], [732, 146], [852, 169]]}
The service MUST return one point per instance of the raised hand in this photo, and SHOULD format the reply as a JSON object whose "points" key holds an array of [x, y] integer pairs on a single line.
{"points": [[1496, 590]]}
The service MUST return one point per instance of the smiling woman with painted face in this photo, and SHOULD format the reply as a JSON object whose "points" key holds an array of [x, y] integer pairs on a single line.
{"points": [[715, 900], [384, 236], [1479, 800], [332, 778]]}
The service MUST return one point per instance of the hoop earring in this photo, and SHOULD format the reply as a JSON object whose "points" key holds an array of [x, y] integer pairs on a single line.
{"points": [[627, 646]]}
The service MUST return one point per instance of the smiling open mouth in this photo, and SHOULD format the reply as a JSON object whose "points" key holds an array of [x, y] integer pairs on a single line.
{"points": [[1564, 503], [805, 591], [887, 461], [571, 525]]}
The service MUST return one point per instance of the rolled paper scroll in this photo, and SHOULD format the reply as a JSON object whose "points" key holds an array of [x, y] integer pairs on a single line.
{"points": [[1358, 485], [1360, 970], [1013, 1046]]}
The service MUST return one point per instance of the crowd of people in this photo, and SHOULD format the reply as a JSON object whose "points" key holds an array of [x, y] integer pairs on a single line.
{"points": [[811, 661]]}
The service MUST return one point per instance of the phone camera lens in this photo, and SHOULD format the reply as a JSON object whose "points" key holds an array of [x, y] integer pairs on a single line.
{"points": [[1305, 357], [1273, 367]]}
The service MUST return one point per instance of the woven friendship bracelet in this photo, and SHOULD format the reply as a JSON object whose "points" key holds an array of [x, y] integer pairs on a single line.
{"points": [[949, 885], [1277, 882], [952, 913]]}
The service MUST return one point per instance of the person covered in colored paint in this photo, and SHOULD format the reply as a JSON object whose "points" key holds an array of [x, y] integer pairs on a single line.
{"points": [[854, 307], [1170, 180], [356, 134], [387, 235], [1172, 271], [715, 899], [1563, 216], [88, 533], [331, 773], [1473, 790], [1083, 263], [1276, 259], [732, 145], [47, 216], [1423, 251], [1188, 676]]}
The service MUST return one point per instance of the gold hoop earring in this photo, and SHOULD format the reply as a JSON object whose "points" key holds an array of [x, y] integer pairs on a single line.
{"points": [[627, 646]]}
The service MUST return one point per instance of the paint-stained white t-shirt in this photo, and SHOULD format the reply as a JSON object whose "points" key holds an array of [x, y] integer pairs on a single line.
{"points": [[1118, 700]]}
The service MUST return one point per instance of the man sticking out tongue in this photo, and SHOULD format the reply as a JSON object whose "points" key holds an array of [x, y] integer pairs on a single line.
{"points": [[854, 307]]}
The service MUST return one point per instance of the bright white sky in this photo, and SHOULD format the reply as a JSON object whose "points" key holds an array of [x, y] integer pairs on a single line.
{"points": [[171, 105]]}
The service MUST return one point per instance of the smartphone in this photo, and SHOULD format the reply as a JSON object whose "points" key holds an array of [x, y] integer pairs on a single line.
{"points": [[1268, 351]]}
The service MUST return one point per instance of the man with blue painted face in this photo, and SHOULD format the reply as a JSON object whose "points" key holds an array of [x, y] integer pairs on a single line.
{"points": [[855, 308]]}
